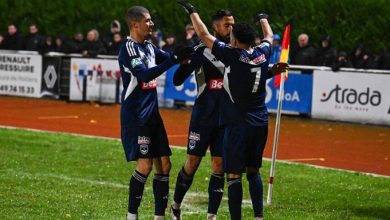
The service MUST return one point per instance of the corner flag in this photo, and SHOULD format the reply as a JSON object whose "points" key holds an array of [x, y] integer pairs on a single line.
{"points": [[284, 54]]}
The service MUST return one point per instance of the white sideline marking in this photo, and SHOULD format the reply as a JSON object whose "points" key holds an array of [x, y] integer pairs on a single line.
{"points": [[305, 159], [184, 148], [58, 117]]}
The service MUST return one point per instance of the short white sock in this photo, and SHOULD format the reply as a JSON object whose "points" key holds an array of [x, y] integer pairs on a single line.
{"points": [[131, 216], [176, 205]]}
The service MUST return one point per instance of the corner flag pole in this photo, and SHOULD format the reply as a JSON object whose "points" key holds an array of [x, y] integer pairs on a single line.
{"points": [[279, 78], [276, 139]]}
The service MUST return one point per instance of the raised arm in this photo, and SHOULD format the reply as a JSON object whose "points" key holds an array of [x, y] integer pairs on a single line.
{"points": [[262, 19], [199, 26]]}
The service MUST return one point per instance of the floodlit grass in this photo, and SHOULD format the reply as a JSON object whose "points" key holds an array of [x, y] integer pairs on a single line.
{"points": [[57, 176]]}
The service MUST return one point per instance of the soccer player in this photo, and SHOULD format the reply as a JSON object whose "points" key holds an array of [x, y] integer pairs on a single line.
{"points": [[204, 130], [144, 138], [244, 114]]}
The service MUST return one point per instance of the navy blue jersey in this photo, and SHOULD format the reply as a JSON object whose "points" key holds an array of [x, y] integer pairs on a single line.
{"points": [[244, 81], [138, 66], [209, 77]]}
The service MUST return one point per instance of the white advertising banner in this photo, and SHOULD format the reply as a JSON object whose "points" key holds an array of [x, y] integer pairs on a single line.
{"points": [[101, 77], [354, 97], [20, 75]]}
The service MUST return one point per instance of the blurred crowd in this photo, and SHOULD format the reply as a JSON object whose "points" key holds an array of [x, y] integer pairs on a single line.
{"points": [[323, 53], [302, 52]]}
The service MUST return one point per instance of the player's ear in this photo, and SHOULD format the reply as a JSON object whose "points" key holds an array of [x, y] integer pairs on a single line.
{"points": [[214, 26]]}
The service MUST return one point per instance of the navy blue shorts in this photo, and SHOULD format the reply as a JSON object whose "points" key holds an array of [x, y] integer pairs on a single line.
{"points": [[200, 137], [243, 147], [146, 141]]}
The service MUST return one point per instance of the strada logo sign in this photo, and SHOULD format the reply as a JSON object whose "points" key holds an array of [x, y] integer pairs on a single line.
{"points": [[352, 96]]}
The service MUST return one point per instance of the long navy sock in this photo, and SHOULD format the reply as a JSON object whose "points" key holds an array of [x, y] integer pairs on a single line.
{"points": [[256, 192], [183, 183], [160, 191], [216, 185], [136, 189], [235, 197]]}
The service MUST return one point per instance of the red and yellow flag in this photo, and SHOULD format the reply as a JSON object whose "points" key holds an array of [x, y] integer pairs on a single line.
{"points": [[284, 54]]}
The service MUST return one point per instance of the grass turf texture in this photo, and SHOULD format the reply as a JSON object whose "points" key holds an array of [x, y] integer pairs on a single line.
{"points": [[58, 176]]}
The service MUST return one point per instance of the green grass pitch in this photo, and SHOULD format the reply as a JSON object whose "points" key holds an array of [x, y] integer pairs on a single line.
{"points": [[59, 176]]}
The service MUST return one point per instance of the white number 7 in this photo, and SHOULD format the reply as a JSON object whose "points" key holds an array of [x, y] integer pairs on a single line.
{"points": [[256, 70]]}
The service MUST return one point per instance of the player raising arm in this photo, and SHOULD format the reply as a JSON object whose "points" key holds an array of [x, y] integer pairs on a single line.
{"points": [[204, 130], [244, 113], [144, 138]]}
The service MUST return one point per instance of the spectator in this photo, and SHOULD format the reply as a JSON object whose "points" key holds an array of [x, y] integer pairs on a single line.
{"points": [[305, 53], [157, 39], [277, 49], [13, 40], [93, 46], [341, 61], [170, 43], [257, 40], [48, 45], [33, 41], [77, 44], [384, 61], [191, 37], [60, 44], [326, 55], [109, 38], [115, 44], [361, 58]]}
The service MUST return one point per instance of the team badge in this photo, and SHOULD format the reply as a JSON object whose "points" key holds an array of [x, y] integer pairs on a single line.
{"points": [[143, 148], [192, 144], [135, 62]]}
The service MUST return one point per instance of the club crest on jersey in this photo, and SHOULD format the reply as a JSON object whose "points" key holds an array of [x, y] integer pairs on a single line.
{"points": [[143, 140], [144, 149], [149, 85], [194, 136]]}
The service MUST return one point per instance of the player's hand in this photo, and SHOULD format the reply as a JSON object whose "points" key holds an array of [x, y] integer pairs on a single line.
{"points": [[260, 16], [187, 6], [182, 53], [278, 68]]}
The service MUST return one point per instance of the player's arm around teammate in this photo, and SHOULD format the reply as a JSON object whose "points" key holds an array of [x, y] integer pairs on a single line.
{"points": [[245, 115], [204, 130], [144, 138]]}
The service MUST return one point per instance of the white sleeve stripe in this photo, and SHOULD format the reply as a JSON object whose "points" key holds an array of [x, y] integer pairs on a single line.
{"points": [[130, 48], [133, 48]]}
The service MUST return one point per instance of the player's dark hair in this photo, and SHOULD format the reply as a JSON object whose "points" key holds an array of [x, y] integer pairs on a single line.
{"points": [[244, 33], [219, 14], [135, 13]]}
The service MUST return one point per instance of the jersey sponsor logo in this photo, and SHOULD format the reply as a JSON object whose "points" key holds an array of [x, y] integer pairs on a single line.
{"points": [[194, 136], [259, 59], [144, 149], [216, 84], [143, 140], [136, 62], [149, 85]]}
